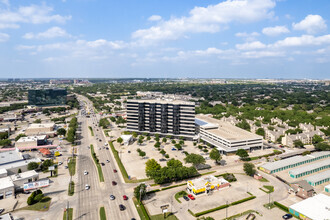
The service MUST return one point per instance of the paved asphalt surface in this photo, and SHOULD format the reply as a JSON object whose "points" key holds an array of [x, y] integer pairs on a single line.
{"points": [[90, 201]]}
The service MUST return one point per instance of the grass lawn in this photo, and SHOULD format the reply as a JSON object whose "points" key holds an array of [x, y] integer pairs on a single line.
{"points": [[98, 166], [72, 166], [102, 214], [169, 216], [70, 211], [263, 180], [269, 188], [91, 129], [141, 210], [179, 195], [71, 188], [43, 205]]}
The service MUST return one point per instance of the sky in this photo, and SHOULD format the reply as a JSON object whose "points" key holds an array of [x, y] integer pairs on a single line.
{"points": [[167, 39]]}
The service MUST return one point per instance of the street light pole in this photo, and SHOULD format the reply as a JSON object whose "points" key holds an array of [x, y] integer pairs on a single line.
{"points": [[226, 209]]}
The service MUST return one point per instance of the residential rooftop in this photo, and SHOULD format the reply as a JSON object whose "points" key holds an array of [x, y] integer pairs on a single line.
{"points": [[223, 129]]}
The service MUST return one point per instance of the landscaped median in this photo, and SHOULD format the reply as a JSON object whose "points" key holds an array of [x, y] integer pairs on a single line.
{"points": [[98, 166], [71, 188], [121, 166], [72, 166], [221, 207], [68, 211], [91, 129], [102, 214]]}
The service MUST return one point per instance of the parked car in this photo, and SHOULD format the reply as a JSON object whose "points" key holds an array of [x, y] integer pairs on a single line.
{"points": [[87, 187], [191, 197], [121, 207], [114, 183], [287, 216], [114, 170], [186, 198], [162, 159], [125, 197], [112, 197]]}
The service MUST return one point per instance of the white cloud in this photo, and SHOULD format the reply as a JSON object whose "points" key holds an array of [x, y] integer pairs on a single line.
{"points": [[251, 46], [5, 2], [261, 54], [274, 31], [53, 32], [33, 14], [248, 36], [4, 37], [311, 24], [155, 18], [208, 19], [304, 40]]}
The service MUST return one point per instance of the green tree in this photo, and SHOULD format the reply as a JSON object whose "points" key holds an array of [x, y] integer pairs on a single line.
{"points": [[38, 198], [140, 191], [3, 135], [152, 168], [316, 139], [215, 155], [261, 132], [5, 142], [173, 141], [178, 146], [298, 143], [70, 136], [194, 159], [19, 170], [244, 125], [134, 134], [148, 138], [242, 154], [174, 163], [61, 131], [30, 200], [37, 121], [120, 140], [104, 123], [249, 169], [164, 140], [32, 166], [113, 119], [157, 145], [323, 146], [140, 141]]}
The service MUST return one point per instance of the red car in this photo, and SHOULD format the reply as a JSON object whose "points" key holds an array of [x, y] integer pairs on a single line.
{"points": [[114, 183], [191, 197], [125, 197], [114, 170]]}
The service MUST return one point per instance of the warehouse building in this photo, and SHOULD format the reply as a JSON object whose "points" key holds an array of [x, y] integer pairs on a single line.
{"points": [[226, 137], [316, 208], [280, 165], [319, 178], [165, 117], [309, 169]]}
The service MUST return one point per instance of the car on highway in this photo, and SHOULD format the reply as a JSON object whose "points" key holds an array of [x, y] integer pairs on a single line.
{"points": [[85, 172], [87, 187], [112, 197], [108, 161], [287, 216], [66, 167], [60, 163], [105, 143], [186, 198], [125, 197], [114, 170], [191, 197], [102, 164], [121, 207], [114, 183], [107, 148]]}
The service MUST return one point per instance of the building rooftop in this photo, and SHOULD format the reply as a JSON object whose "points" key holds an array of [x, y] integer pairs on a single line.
{"points": [[10, 156], [224, 130], [318, 177], [3, 171], [309, 167], [24, 175], [203, 181], [162, 101], [19, 163], [6, 217], [48, 125], [304, 184], [6, 182], [32, 138], [316, 207], [327, 186]]}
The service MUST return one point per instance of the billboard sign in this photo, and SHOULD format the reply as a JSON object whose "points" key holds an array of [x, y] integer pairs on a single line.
{"points": [[36, 184]]}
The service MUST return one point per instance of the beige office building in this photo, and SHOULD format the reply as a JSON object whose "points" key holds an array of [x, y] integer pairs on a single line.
{"points": [[36, 129]]}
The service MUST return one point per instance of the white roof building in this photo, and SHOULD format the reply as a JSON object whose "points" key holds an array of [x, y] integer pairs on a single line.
{"points": [[127, 139], [316, 207]]}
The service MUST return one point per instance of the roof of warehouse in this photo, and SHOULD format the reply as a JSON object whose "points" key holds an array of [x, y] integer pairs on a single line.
{"points": [[316, 207], [309, 167], [318, 177]]}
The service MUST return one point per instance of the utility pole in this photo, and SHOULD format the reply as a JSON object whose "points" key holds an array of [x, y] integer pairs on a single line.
{"points": [[226, 209], [268, 200]]}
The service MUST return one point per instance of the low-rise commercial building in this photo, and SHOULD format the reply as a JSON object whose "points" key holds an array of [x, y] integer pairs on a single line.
{"points": [[38, 129], [13, 167], [277, 166], [7, 188], [25, 177], [225, 137], [302, 189], [37, 140], [319, 178], [309, 169], [206, 185], [3, 173], [313, 208]]}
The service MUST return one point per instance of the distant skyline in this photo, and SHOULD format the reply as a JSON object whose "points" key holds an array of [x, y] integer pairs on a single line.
{"points": [[165, 39]]}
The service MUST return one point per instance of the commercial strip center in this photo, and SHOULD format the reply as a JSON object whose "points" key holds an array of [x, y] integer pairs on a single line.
{"points": [[177, 118]]}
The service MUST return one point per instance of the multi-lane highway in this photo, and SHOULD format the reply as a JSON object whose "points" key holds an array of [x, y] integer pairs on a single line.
{"points": [[90, 201]]}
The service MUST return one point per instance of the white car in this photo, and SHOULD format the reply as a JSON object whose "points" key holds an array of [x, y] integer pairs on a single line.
{"points": [[105, 143], [85, 172], [87, 187]]}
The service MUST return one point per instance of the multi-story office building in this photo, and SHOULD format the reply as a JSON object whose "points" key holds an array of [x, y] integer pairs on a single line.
{"points": [[166, 117], [47, 97]]}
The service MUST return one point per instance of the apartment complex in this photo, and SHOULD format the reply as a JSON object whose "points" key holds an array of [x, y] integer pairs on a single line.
{"points": [[166, 117], [226, 137]]}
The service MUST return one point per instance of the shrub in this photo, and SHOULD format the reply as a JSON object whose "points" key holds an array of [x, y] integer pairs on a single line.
{"points": [[38, 197], [283, 207], [243, 200], [30, 200], [167, 156]]}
